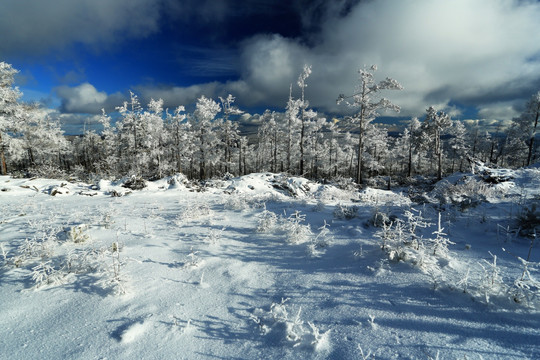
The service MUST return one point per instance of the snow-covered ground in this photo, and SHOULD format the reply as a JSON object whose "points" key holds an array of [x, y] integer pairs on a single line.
{"points": [[267, 267]]}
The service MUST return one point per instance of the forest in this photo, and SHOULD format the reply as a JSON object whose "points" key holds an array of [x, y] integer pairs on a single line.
{"points": [[151, 142]]}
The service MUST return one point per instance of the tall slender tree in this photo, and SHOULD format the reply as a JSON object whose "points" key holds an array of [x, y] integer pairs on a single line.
{"points": [[9, 107], [366, 100], [303, 107], [435, 125]]}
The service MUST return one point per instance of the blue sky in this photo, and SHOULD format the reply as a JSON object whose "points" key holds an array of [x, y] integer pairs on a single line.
{"points": [[476, 59]]}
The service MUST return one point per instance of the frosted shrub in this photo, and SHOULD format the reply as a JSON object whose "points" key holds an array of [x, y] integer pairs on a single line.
{"points": [[235, 202], [45, 274], [526, 289], [345, 212], [319, 206], [78, 234], [401, 242], [320, 242], [297, 233], [292, 329], [491, 283], [84, 260], [379, 218], [106, 219], [267, 221], [347, 184], [528, 220], [194, 212], [34, 248], [466, 193], [440, 243], [214, 236], [114, 275], [193, 259]]}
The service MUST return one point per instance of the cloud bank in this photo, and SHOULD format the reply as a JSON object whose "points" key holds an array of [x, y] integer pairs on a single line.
{"points": [[450, 54], [39, 26], [482, 53]]}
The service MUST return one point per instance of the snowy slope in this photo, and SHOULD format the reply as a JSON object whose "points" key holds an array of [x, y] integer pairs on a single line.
{"points": [[261, 267]]}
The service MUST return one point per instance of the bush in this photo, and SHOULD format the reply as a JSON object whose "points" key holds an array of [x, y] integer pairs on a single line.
{"points": [[528, 220], [345, 211], [135, 183]]}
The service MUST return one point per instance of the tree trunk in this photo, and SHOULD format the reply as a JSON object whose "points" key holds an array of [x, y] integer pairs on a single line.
{"points": [[359, 178], [3, 167], [531, 141]]}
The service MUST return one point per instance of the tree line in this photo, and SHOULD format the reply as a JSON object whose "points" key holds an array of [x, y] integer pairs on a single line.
{"points": [[152, 142]]}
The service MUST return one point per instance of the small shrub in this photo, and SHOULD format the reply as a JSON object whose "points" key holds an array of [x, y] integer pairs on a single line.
{"points": [[267, 221], [297, 233], [77, 234], [320, 242], [135, 183], [345, 212], [528, 220], [45, 274], [291, 329]]}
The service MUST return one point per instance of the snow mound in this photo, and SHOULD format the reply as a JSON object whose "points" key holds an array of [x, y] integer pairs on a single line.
{"points": [[384, 197], [132, 332], [283, 186], [264, 183], [487, 185]]}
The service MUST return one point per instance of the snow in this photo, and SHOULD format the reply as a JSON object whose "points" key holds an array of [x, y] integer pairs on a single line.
{"points": [[263, 266]]}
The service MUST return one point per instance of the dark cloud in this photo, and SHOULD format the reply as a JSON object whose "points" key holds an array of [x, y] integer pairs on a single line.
{"points": [[31, 27]]}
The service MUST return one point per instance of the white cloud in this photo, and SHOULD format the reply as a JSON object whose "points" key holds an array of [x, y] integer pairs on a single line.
{"points": [[481, 53], [85, 98], [489, 125], [471, 52], [499, 111]]}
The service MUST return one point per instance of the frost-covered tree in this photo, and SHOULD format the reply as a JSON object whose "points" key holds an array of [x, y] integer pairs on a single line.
{"points": [[527, 124], [109, 161], [205, 138], [142, 138], [408, 146], [154, 140], [304, 117], [129, 135], [458, 144], [333, 148], [9, 110], [180, 137], [229, 132], [376, 149], [366, 100], [434, 127], [292, 112]]}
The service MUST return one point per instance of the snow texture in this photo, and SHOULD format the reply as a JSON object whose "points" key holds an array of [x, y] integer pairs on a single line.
{"points": [[267, 266]]}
